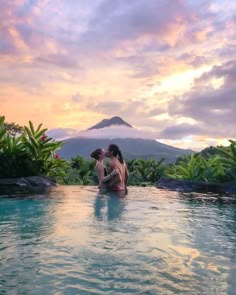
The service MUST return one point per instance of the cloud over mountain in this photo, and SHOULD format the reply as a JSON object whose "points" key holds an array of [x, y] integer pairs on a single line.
{"points": [[112, 128], [113, 132], [166, 66]]}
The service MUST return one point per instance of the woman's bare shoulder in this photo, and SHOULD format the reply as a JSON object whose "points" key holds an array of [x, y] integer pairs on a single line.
{"points": [[99, 166]]}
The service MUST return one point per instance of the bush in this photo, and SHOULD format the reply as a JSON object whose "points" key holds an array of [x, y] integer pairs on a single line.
{"points": [[80, 172], [29, 153]]}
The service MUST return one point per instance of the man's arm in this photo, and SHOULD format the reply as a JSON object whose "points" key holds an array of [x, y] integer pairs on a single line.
{"points": [[109, 176], [126, 177]]}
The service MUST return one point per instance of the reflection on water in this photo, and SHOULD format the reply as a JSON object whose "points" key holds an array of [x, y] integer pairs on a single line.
{"points": [[24, 224], [73, 241], [27, 217], [110, 205]]}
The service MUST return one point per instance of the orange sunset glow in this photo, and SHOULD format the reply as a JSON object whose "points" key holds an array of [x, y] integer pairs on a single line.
{"points": [[165, 67]]}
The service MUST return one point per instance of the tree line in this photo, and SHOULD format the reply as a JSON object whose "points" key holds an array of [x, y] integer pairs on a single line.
{"points": [[28, 151]]}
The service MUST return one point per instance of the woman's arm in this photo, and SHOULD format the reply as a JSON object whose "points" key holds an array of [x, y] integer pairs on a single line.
{"points": [[101, 176], [100, 172], [109, 176]]}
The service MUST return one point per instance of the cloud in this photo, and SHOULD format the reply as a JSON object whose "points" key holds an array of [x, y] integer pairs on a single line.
{"points": [[77, 98], [211, 101], [18, 26], [227, 71], [118, 22], [60, 60], [136, 112], [77, 62], [106, 132], [117, 132], [194, 60], [62, 133], [180, 131]]}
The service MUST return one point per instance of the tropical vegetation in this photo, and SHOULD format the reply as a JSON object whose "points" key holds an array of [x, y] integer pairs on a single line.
{"points": [[81, 172], [28, 151], [214, 164]]}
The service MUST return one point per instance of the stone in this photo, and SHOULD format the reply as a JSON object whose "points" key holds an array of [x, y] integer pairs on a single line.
{"points": [[31, 184], [183, 185]]}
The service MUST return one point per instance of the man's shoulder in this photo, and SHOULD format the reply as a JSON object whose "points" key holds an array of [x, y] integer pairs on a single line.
{"points": [[114, 162]]}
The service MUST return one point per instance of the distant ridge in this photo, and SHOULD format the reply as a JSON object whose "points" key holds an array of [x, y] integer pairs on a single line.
{"points": [[131, 148], [109, 122]]}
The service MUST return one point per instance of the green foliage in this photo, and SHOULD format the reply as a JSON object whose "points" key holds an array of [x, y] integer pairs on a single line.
{"points": [[183, 159], [197, 168], [13, 129], [29, 153], [210, 165], [209, 152], [3, 131], [228, 159], [15, 161], [81, 172], [141, 172], [144, 172], [186, 170]]}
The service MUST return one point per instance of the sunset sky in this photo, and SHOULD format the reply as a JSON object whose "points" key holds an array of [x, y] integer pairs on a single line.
{"points": [[166, 67]]}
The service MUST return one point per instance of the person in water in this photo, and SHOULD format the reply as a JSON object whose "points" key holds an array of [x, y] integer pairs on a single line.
{"points": [[99, 155], [119, 181]]}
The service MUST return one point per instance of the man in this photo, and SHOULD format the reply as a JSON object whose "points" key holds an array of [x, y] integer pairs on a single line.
{"points": [[118, 182]]}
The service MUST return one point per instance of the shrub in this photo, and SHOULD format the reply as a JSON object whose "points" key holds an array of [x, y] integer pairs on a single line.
{"points": [[29, 153]]}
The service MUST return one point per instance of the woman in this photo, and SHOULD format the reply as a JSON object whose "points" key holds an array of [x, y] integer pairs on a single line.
{"points": [[99, 155], [117, 163]]}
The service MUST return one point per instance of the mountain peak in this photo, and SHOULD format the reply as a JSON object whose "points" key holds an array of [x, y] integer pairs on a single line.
{"points": [[109, 122]]}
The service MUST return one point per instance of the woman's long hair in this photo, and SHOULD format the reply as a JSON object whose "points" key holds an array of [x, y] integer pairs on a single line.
{"points": [[116, 152]]}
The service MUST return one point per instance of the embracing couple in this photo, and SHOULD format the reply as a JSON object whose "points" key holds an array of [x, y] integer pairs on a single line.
{"points": [[116, 177]]}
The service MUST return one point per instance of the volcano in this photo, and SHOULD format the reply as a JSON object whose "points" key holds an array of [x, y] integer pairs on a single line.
{"points": [[132, 142]]}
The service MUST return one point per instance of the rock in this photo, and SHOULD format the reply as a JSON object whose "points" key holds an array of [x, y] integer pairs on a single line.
{"points": [[183, 185], [31, 184], [36, 181]]}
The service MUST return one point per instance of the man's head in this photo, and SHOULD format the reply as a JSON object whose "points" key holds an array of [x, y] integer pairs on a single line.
{"points": [[112, 150]]}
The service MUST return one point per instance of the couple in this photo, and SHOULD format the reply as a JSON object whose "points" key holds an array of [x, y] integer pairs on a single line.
{"points": [[116, 178]]}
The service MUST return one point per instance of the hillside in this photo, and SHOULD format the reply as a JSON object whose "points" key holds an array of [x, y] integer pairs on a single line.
{"points": [[130, 147], [110, 122]]}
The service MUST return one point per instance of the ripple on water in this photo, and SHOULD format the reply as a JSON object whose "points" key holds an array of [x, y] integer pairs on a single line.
{"points": [[73, 241]]}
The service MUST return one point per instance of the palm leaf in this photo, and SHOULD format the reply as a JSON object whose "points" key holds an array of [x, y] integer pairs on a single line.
{"points": [[38, 128], [28, 132], [2, 132], [31, 127], [39, 134], [2, 119]]}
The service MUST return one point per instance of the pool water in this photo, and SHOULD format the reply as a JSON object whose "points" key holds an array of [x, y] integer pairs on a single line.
{"points": [[73, 241]]}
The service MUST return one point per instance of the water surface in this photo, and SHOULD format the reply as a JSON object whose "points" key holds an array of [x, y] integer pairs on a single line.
{"points": [[73, 241]]}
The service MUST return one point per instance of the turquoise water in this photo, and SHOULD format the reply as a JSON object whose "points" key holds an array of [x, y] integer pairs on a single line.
{"points": [[72, 241]]}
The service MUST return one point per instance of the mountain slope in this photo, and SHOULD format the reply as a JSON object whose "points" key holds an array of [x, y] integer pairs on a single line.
{"points": [[109, 122], [129, 139], [130, 147]]}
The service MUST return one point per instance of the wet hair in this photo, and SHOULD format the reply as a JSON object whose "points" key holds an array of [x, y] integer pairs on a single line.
{"points": [[116, 152], [96, 153]]}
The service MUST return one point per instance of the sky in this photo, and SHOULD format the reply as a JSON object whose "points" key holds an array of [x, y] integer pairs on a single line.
{"points": [[167, 67]]}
